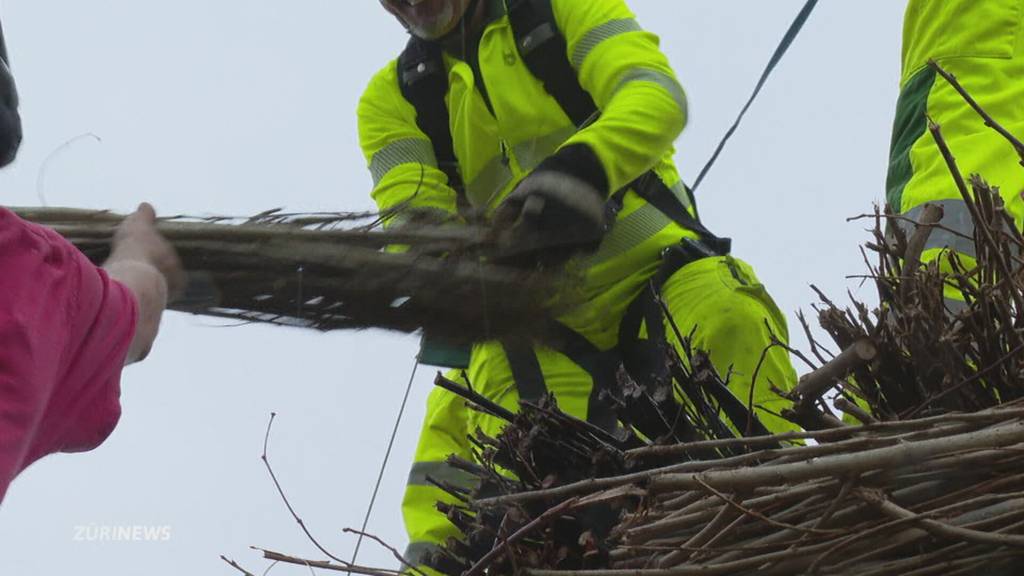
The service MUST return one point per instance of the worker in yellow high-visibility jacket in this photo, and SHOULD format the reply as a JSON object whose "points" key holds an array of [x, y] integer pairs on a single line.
{"points": [[523, 161], [982, 44]]}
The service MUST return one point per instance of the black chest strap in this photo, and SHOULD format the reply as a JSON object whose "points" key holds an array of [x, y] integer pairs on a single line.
{"points": [[653, 189], [424, 83], [545, 52], [645, 360]]}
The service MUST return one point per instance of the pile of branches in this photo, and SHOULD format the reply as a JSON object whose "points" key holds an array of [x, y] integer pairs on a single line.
{"points": [[943, 495], [930, 482], [541, 447], [947, 335], [333, 271]]}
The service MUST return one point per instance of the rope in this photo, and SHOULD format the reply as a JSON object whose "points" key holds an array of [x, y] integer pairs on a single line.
{"points": [[780, 51], [384, 464]]}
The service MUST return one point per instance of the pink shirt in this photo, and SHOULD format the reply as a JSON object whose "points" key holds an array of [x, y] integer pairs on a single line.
{"points": [[65, 329]]}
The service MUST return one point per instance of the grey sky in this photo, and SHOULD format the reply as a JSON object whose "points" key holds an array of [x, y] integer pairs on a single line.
{"points": [[236, 106]]}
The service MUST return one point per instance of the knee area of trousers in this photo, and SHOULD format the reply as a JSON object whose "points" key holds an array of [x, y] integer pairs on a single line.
{"points": [[732, 330]]}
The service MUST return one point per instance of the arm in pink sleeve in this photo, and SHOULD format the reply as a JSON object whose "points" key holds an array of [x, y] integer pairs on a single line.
{"points": [[65, 328]]}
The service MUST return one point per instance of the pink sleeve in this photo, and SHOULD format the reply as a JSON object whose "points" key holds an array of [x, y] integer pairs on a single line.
{"points": [[65, 329]]}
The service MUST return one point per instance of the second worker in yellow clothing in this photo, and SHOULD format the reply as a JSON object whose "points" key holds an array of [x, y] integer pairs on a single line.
{"points": [[557, 118], [982, 44]]}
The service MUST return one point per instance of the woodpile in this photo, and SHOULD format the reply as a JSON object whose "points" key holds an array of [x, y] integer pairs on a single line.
{"points": [[927, 496], [930, 482]]}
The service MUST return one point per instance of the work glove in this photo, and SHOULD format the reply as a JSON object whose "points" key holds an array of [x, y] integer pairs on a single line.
{"points": [[557, 212]]}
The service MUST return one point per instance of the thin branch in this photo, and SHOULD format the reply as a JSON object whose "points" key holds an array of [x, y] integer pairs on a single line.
{"points": [[755, 514], [851, 408], [912, 258], [284, 497], [965, 194], [989, 120], [935, 527], [235, 565], [394, 552], [324, 565], [542, 520], [986, 416], [842, 464], [813, 385], [475, 398]]}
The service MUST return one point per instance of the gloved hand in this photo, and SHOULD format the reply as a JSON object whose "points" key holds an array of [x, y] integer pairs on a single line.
{"points": [[557, 212]]}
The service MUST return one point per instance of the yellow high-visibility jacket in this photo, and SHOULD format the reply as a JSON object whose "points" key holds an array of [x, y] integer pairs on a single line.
{"points": [[982, 44], [643, 111]]}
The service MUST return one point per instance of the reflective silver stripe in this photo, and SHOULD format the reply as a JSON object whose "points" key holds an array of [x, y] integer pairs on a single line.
{"points": [[956, 217], [440, 471], [954, 306], [661, 79], [491, 179], [416, 552], [599, 34], [532, 152], [629, 233], [634, 229], [408, 151]]}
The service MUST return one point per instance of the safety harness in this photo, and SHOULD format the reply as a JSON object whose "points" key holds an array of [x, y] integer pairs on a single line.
{"points": [[423, 81]]}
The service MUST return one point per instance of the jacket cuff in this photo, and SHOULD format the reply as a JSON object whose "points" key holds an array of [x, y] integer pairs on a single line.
{"points": [[578, 160]]}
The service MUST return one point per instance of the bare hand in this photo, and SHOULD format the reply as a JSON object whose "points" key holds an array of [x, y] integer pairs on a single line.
{"points": [[145, 262], [138, 239]]}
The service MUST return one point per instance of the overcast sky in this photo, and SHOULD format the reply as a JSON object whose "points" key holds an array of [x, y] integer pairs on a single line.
{"points": [[237, 106]]}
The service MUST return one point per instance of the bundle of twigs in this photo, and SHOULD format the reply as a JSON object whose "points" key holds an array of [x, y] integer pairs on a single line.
{"points": [[331, 271], [946, 336]]}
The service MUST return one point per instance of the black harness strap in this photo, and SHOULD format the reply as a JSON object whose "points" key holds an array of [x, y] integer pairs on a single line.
{"points": [[526, 372], [544, 51], [601, 365], [651, 188], [645, 358], [424, 83]]}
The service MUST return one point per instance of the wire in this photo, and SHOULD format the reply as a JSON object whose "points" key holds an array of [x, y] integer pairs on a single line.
{"points": [[44, 168], [384, 464], [787, 41]]}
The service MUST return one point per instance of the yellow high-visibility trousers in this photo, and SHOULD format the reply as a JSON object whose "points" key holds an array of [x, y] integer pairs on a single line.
{"points": [[982, 44], [718, 299]]}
